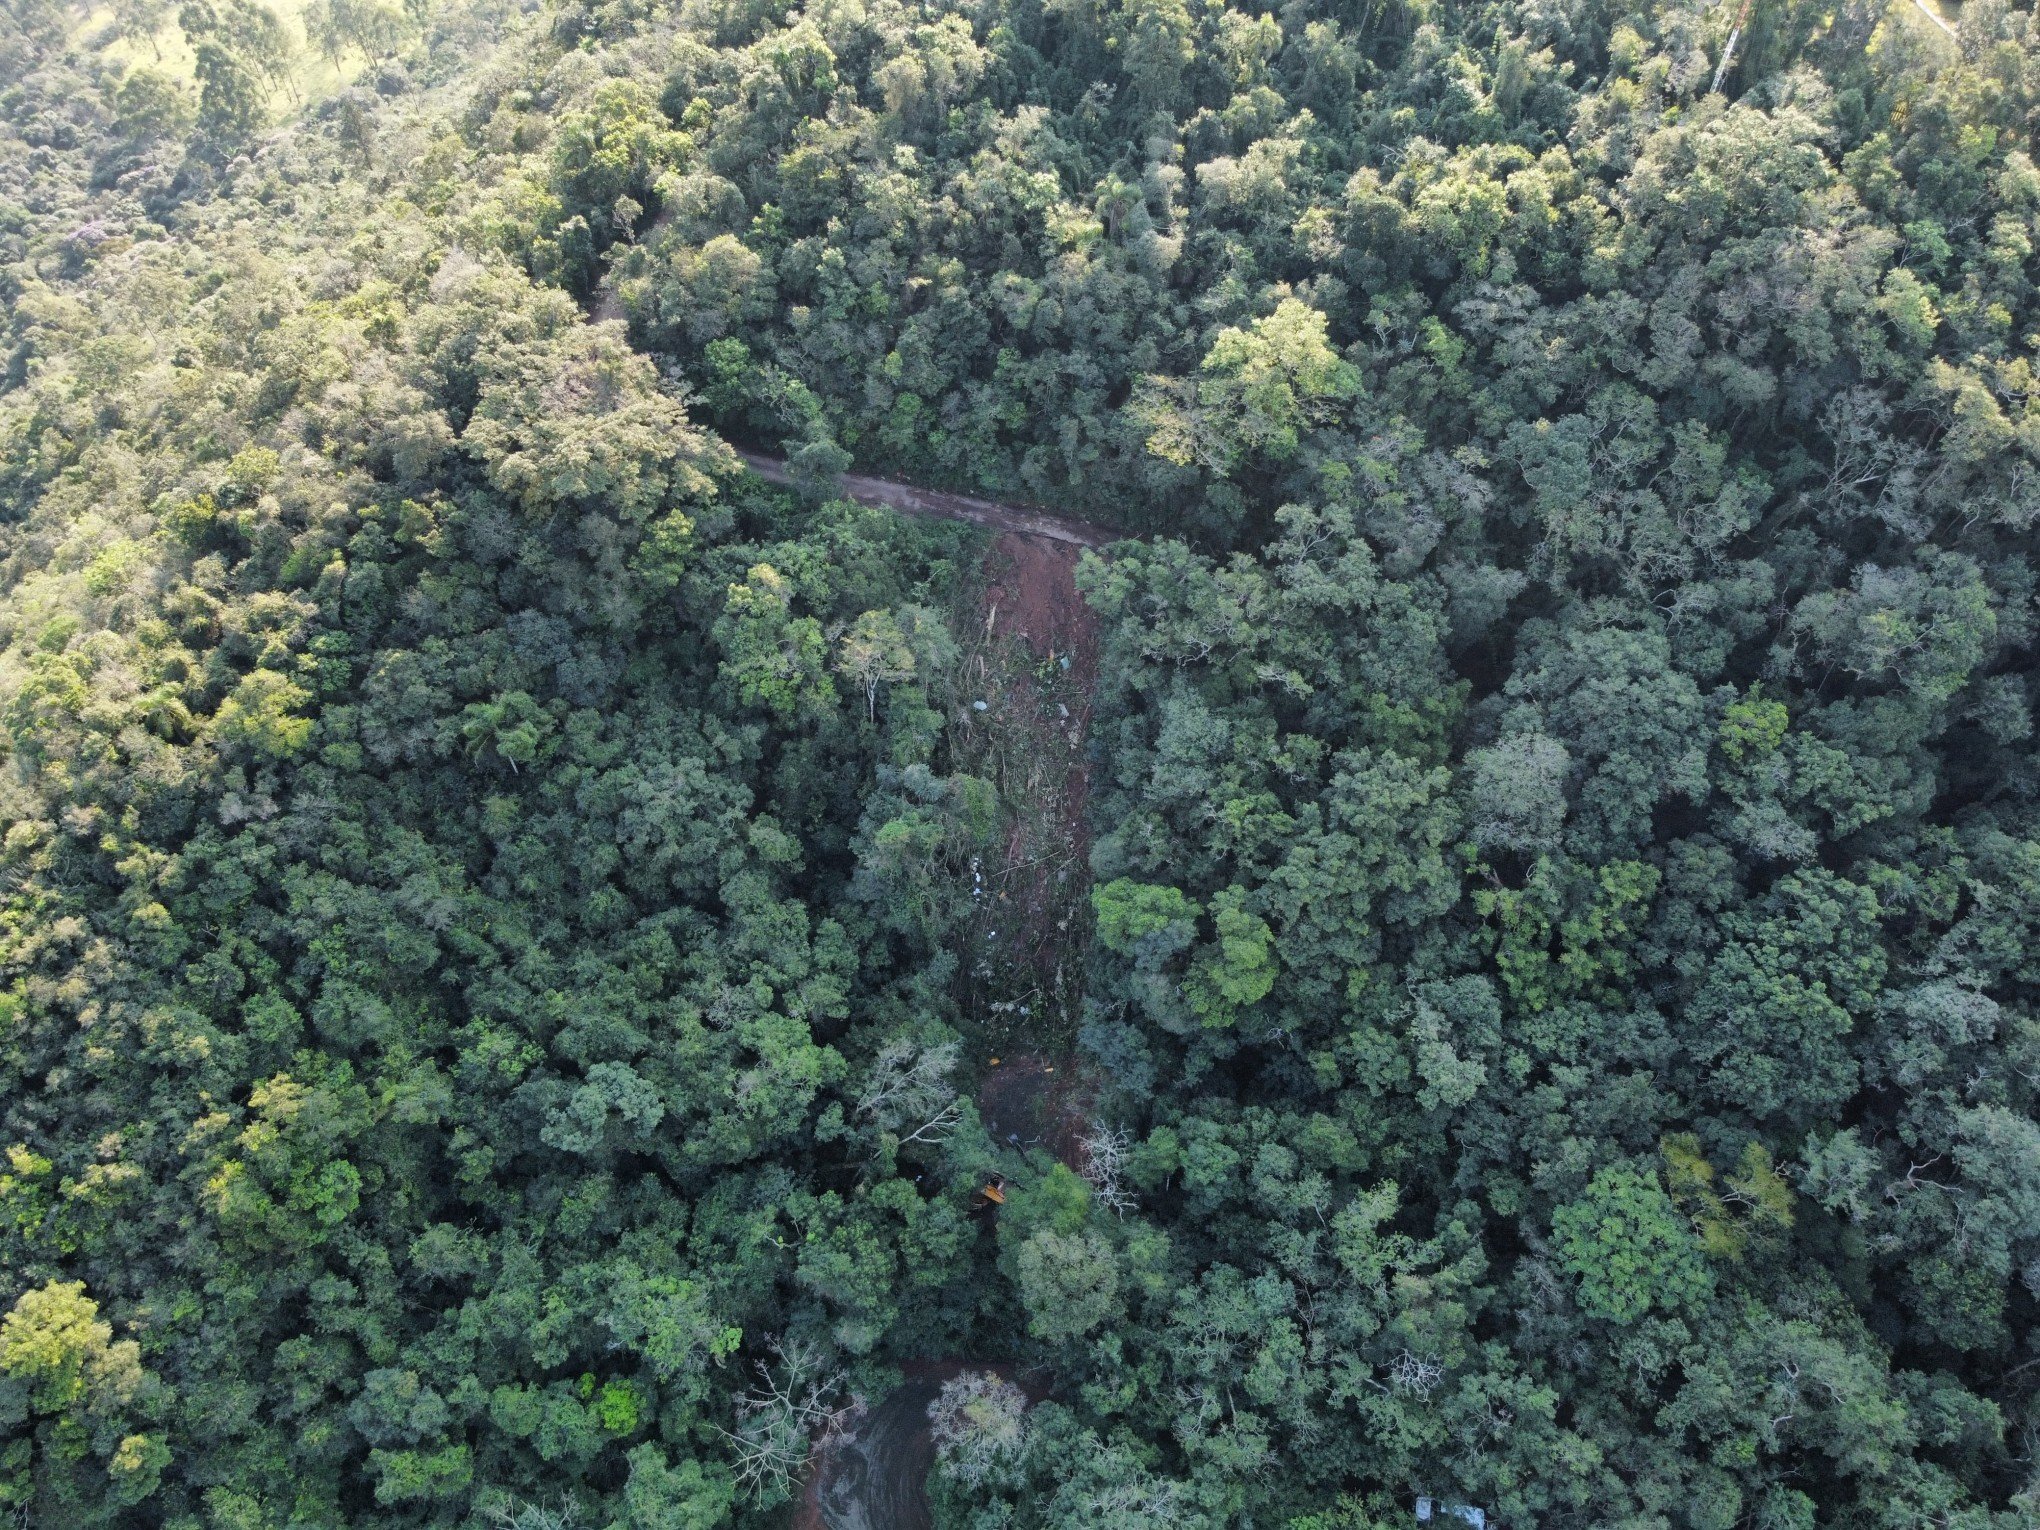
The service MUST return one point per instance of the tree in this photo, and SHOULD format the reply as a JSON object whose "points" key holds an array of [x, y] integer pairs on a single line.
{"points": [[873, 652], [513, 726], [229, 99], [1777, 1005], [1259, 389], [372, 29], [1158, 44], [773, 658], [908, 1092], [1238, 969], [59, 1357], [260, 717], [1626, 1244], [143, 20], [1068, 1283], [978, 1420], [53, 1341], [685, 1497], [1518, 791], [262, 40], [150, 106], [1143, 921]]}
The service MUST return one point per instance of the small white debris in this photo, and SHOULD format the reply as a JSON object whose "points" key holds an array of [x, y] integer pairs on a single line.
{"points": [[980, 706]]}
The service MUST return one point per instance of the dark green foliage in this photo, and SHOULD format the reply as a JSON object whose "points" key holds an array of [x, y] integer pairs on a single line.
{"points": [[486, 935], [457, 951]]}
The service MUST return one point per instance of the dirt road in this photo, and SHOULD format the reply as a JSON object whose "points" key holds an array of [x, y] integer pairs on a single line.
{"points": [[877, 1478], [937, 505]]}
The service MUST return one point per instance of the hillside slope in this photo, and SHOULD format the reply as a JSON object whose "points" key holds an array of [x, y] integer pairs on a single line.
{"points": [[1531, 871]]}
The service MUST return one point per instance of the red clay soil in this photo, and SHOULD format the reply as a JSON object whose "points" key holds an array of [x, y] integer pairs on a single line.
{"points": [[1033, 595], [876, 1478], [1030, 1101], [1033, 590]]}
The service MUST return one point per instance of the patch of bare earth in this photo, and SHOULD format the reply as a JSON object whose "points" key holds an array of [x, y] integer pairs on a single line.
{"points": [[875, 1476], [1036, 897], [1028, 1101], [1033, 662]]}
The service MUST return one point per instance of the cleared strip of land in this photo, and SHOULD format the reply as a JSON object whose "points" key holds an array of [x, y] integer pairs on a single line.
{"points": [[934, 503]]}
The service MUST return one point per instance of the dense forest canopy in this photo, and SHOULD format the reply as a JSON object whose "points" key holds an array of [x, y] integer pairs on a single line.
{"points": [[495, 962]]}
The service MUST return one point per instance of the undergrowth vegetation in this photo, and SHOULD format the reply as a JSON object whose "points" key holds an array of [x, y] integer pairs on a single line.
{"points": [[493, 950]]}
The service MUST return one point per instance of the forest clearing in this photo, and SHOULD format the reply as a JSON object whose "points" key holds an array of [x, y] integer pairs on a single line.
{"points": [[1031, 1101], [1413, 891]]}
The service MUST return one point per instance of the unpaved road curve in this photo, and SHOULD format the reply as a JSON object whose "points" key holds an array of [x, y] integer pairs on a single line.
{"points": [[936, 505], [876, 1480]]}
